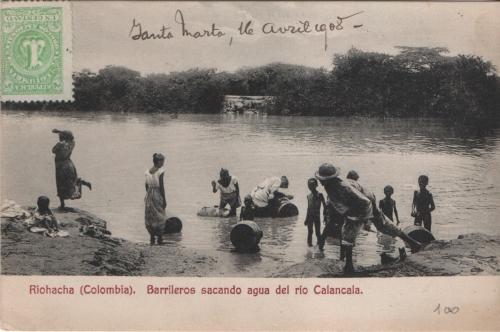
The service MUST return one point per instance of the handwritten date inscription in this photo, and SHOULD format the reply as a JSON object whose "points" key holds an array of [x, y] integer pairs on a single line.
{"points": [[246, 28]]}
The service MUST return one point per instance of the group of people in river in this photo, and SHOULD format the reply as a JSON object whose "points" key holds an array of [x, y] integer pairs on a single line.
{"points": [[263, 200], [348, 207]]}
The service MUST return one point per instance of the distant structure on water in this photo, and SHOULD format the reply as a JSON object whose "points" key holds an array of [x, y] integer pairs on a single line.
{"points": [[247, 104]]}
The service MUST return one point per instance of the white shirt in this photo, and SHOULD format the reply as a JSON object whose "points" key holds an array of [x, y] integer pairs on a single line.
{"points": [[153, 180], [265, 191], [230, 188]]}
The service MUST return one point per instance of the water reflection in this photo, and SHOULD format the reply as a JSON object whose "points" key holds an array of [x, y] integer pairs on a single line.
{"points": [[223, 227], [386, 243]]}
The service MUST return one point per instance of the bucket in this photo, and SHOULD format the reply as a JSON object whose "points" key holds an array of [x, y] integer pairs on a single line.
{"points": [[173, 224], [245, 235], [419, 234]]}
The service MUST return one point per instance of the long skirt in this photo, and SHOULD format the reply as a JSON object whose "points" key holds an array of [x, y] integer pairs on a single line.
{"points": [[154, 215], [67, 180]]}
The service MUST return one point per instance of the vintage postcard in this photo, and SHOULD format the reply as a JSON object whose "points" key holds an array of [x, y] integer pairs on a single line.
{"points": [[250, 165]]}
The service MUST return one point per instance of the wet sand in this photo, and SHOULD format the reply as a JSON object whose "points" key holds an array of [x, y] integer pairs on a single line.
{"points": [[26, 253]]}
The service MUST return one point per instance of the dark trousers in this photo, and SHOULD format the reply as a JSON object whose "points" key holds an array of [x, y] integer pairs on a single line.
{"points": [[314, 226], [332, 229], [424, 218]]}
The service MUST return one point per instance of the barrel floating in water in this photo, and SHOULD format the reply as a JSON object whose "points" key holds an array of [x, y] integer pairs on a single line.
{"points": [[419, 234], [286, 208], [246, 235], [212, 211], [173, 224], [277, 208]]}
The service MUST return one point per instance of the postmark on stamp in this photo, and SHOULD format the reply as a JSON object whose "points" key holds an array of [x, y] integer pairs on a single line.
{"points": [[36, 51]]}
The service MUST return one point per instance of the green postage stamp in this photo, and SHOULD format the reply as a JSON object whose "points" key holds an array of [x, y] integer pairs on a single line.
{"points": [[36, 51]]}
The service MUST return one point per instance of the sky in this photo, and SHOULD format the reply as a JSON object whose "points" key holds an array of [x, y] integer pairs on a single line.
{"points": [[103, 31]]}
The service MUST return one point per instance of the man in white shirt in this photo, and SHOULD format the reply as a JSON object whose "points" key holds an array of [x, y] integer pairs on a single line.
{"points": [[269, 190]]}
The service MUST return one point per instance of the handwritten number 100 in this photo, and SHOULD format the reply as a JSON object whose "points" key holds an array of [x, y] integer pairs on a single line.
{"points": [[446, 310]]}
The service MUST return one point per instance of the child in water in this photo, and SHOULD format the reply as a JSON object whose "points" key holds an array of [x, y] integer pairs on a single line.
{"points": [[43, 216], [229, 190], [248, 210], [353, 175], [423, 204], [388, 205], [313, 218]]}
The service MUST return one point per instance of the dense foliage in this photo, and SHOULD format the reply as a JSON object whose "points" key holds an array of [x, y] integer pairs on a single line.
{"points": [[418, 81]]}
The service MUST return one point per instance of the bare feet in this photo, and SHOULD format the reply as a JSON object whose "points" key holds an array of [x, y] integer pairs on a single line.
{"points": [[348, 269]]}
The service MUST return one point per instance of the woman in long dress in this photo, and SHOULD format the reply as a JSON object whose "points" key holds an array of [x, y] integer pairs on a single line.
{"points": [[69, 185], [155, 201]]}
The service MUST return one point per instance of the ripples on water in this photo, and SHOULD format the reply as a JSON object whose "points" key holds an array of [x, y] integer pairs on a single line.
{"points": [[114, 150]]}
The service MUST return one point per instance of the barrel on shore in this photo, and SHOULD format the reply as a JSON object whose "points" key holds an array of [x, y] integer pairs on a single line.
{"points": [[419, 234], [173, 224], [246, 235]]}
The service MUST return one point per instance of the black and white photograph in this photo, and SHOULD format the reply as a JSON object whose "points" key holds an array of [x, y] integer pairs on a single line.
{"points": [[251, 140]]}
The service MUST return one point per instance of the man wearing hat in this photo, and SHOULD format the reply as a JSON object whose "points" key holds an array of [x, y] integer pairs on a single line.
{"points": [[356, 205]]}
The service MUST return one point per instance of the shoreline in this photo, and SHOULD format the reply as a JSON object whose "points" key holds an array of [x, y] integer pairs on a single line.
{"points": [[26, 253]]}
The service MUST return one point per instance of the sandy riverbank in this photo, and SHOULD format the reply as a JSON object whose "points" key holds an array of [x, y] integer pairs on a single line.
{"points": [[26, 253]]}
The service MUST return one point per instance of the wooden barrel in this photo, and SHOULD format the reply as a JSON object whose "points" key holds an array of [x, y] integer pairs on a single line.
{"points": [[212, 211], [285, 208], [173, 224], [245, 235], [419, 234]]}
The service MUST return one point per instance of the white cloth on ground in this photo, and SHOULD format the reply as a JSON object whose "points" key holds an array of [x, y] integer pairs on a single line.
{"points": [[11, 209]]}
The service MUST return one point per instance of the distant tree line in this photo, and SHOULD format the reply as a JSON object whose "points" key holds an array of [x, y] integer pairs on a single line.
{"points": [[418, 81]]}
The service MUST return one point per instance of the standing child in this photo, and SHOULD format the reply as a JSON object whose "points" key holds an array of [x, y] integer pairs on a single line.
{"points": [[248, 210], [423, 204], [43, 216], [388, 205], [313, 218], [353, 175]]}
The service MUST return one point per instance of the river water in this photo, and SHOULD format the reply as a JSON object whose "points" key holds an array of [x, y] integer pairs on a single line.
{"points": [[114, 150]]}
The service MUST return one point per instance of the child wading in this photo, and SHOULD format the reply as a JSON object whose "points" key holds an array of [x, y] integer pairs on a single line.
{"points": [[248, 210], [388, 205], [229, 191], [423, 204], [313, 218]]}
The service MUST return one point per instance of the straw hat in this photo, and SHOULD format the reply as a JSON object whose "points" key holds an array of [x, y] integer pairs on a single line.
{"points": [[327, 171]]}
